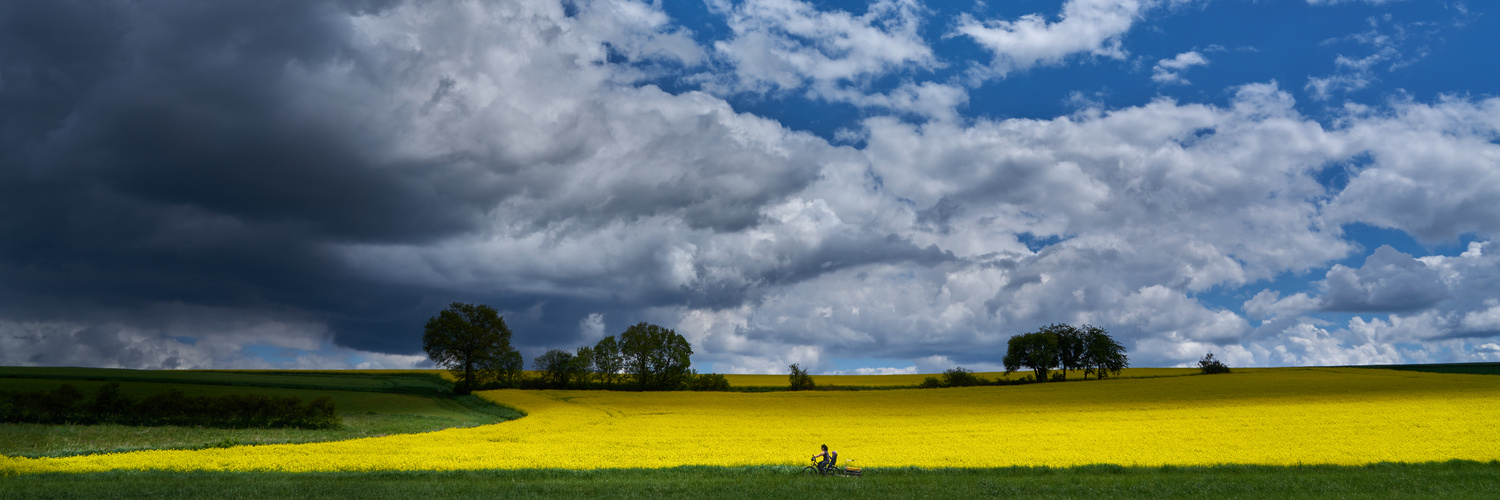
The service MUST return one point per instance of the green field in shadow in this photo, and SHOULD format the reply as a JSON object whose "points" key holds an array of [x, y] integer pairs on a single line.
{"points": [[370, 405], [1433, 480], [412, 382], [1464, 368]]}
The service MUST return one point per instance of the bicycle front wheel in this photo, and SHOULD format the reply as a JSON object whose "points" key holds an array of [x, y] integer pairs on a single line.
{"points": [[809, 471]]}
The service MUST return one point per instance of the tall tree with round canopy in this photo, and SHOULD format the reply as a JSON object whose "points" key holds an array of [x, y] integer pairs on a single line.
{"points": [[470, 341]]}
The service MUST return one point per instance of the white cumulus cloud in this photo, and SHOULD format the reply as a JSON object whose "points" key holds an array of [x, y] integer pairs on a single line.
{"points": [[1093, 27], [1169, 71], [790, 45]]}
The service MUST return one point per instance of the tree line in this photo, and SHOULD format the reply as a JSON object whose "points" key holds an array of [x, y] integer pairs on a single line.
{"points": [[1065, 347], [1054, 347], [644, 357], [68, 405], [473, 343]]}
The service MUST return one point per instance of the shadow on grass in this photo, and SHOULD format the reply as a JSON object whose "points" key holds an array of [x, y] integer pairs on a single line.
{"points": [[1455, 479]]}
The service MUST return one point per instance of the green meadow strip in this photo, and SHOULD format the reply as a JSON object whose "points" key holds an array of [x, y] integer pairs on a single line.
{"points": [[399, 383], [1456, 479], [1460, 368]]}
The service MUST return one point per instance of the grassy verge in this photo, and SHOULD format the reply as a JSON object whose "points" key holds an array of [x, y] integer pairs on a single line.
{"points": [[1433, 480]]}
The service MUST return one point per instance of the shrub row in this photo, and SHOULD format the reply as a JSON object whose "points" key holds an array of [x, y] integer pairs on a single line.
{"points": [[1211, 366], [67, 405], [964, 377], [690, 382]]}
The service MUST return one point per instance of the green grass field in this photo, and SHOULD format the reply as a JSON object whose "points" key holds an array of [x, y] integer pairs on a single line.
{"points": [[1437, 480], [365, 412]]}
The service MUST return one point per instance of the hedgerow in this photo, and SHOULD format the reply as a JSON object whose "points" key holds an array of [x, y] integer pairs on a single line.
{"points": [[67, 405]]}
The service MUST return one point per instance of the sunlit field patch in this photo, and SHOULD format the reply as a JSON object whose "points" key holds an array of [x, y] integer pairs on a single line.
{"points": [[1270, 416]]}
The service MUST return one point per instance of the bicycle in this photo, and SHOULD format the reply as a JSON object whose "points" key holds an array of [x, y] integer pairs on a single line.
{"points": [[831, 470]]}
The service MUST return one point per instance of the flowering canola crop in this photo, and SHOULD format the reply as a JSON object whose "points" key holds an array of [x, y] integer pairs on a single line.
{"points": [[1270, 416]]}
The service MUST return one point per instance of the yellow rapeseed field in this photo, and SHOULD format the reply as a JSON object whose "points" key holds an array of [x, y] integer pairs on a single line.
{"points": [[1269, 416]]}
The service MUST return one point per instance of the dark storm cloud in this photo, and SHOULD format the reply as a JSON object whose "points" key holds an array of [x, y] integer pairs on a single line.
{"points": [[153, 152], [198, 113], [222, 156]]}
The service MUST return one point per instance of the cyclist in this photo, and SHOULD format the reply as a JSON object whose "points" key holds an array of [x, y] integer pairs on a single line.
{"points": [[829, 459]]}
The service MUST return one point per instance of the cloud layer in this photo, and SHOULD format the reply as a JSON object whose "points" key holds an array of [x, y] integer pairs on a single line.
{"points": [[200, 185], [1092, 27]]}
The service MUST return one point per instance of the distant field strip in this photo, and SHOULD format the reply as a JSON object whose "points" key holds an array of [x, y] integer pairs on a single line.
{"points": [[1280, 416], [908, 380], [401, 381]]}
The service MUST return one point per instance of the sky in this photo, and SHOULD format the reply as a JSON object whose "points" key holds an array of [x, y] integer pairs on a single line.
{"points": [[857, 187]]}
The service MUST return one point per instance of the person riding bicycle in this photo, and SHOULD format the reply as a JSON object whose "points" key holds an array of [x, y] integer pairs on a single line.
{"points": [[829, 459]]}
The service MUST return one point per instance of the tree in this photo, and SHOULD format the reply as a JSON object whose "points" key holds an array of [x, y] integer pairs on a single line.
{"points": [[1101, 353], [556, 366], [470, 341], [1071, 349], [583, 365], [960, 377], [1036, 350], [608, 361], [709, 382], [1210, 366], [800, 379], [657, 358], [511, 367], [108, 404]]}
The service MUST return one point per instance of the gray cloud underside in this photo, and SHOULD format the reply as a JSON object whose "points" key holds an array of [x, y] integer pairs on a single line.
{"points": [[296, 174]]}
